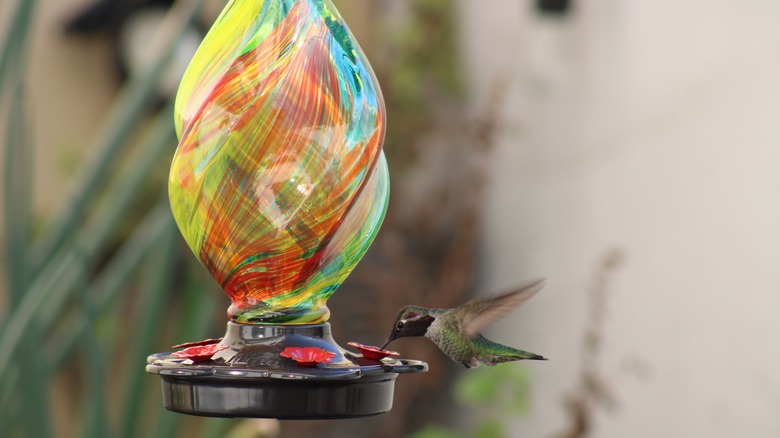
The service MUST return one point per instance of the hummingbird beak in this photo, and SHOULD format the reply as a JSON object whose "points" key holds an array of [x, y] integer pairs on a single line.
{"points": [[390, 339]]}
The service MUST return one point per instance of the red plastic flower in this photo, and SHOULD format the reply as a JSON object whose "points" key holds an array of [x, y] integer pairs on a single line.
{"points": [[308, 356], [199, 343], [372, 352], [200, 353]]}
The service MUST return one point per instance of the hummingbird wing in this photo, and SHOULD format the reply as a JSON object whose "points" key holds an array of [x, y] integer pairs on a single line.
{"points": [[478, 314]]}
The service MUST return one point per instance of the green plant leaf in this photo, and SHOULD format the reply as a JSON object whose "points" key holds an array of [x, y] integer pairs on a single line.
{"points": [[490, 428], [150, 317], [129, 108], [478, 387], [113, 280], [433, 431]]}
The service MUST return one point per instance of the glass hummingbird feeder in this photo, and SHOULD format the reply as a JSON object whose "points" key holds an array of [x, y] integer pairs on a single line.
{"points": [[279, 185]]}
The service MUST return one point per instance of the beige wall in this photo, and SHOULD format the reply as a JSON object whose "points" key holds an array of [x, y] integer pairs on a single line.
{"points": [[651, 127]]}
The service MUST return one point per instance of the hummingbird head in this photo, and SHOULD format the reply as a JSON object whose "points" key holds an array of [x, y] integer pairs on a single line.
{"points": [[410, 321]]}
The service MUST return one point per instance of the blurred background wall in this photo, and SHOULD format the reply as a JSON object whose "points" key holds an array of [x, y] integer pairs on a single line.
{"points": [[646, 132], [69, 91], [632, 159]]}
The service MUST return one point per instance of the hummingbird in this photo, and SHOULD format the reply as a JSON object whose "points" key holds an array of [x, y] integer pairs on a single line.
{"points": [[457, 331]]}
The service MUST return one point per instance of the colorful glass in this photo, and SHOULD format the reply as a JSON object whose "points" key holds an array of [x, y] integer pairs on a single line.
{"points": [[279, 184]]}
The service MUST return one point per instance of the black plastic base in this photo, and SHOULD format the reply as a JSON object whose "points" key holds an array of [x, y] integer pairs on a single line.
{"points": [[251, 380], [370, 395]]}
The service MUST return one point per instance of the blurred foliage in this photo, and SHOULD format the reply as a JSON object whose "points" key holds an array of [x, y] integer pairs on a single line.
{"points": [[95, 289], [420, 71], [106, 282], [493, 394], [503, 387]]}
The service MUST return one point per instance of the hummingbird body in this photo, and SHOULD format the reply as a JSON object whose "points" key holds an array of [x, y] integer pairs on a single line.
{"points": [[456, 331]]}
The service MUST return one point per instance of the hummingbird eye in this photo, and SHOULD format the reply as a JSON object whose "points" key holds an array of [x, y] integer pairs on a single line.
{"points": [[400, 325]]}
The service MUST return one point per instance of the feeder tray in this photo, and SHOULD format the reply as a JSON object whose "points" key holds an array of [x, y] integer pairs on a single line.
{"points": [[251, 379]]}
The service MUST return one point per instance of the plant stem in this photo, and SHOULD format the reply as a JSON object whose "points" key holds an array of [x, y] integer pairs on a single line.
{"points": [[122, 119]]}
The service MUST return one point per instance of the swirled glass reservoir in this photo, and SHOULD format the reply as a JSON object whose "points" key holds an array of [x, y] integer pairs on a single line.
{"points": [[279, 184]]}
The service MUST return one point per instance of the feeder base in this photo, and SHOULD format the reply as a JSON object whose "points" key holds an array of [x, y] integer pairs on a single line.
{"points": [[251, 380], [370, 395]]}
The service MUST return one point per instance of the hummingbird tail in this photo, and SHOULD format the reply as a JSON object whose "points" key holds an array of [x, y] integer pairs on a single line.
{"points": [[493, 353], [521, 355], [536, 357]]}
